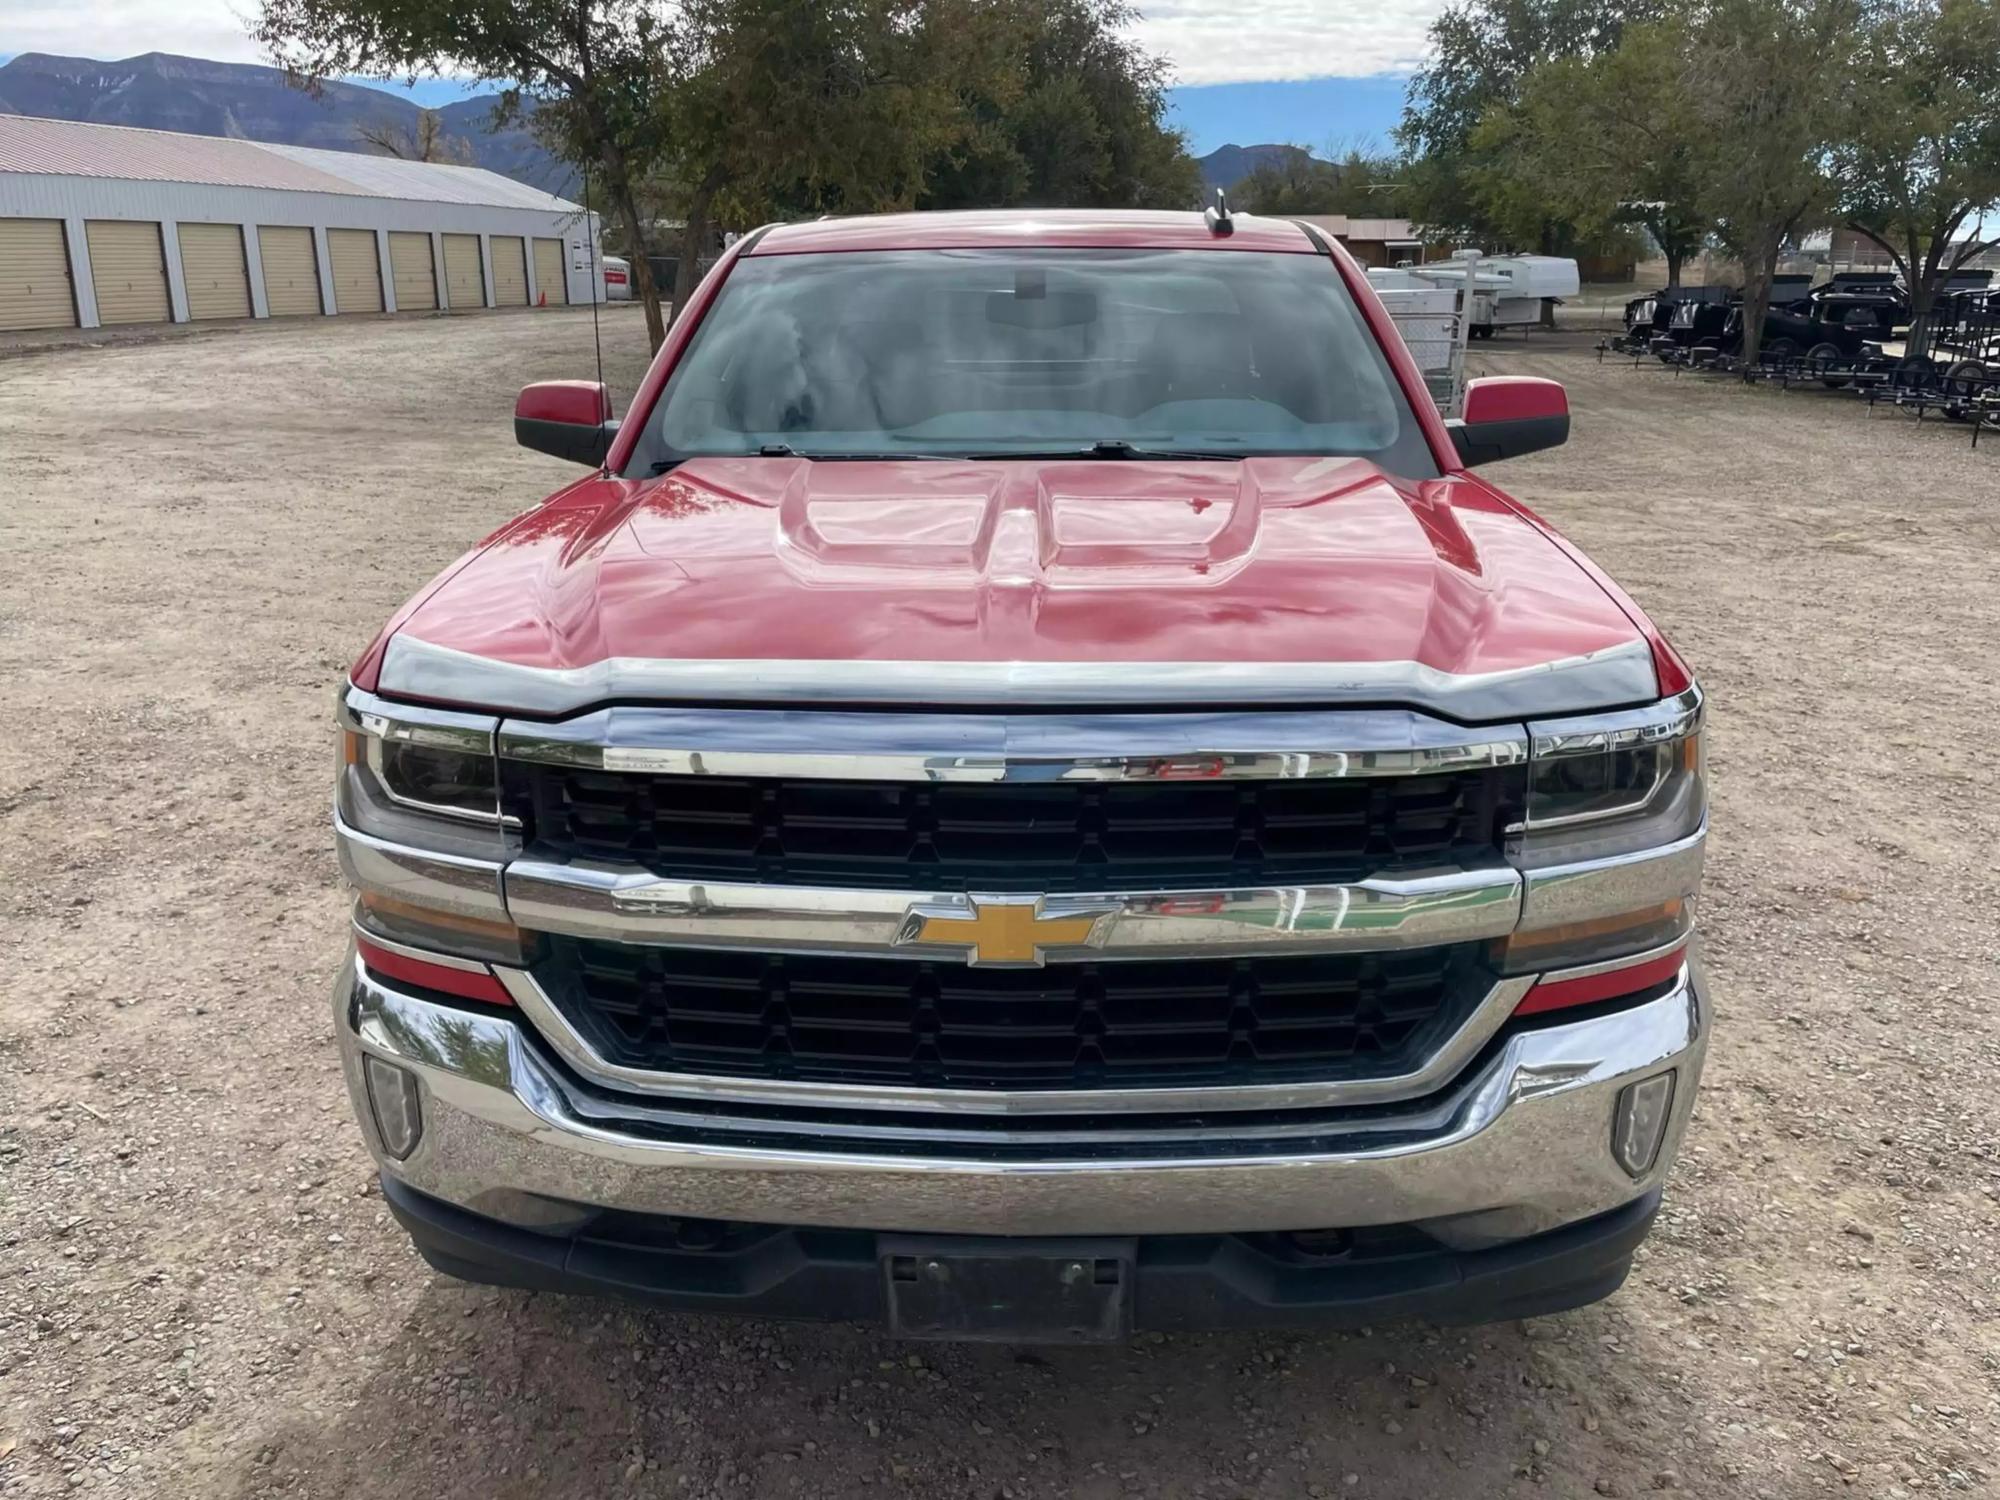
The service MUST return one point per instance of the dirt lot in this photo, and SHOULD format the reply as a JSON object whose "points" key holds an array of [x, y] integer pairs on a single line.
{"points": [[200, 1291]]}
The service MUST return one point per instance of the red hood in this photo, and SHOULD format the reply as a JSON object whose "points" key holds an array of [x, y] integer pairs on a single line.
{"points": [[1276, 570]]}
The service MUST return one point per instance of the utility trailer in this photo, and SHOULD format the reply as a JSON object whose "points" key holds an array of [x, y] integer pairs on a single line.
{"points": [[1509, 291]]}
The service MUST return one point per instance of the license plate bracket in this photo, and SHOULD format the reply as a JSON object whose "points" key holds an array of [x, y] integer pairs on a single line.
{"points": [[1004, 1291]]}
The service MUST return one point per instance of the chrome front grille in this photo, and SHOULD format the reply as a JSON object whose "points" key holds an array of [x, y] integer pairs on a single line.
{"points": [[1015, 911], [888, 1021], [1031, 836]]}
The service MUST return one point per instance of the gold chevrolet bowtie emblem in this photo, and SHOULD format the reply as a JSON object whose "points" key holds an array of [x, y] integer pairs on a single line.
{"points": [[993, 930]]}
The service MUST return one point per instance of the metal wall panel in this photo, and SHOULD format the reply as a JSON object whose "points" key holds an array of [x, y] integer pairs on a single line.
{"points": [[128, 266], [550, 278], [357, 270], [215, 271], [291, 270], [35, 289], [410, 265], [464, 282], [510, 270]]}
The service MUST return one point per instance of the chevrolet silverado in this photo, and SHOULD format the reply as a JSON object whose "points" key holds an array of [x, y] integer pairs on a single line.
{"points": [[1028, 794]]}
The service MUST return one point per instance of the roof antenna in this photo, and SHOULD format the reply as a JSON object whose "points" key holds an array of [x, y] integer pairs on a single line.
{"points": [[591, 223], [1218, 217]]}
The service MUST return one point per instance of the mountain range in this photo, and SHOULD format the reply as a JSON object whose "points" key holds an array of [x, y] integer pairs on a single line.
{"points": [[158, 91], [1226, 166]]}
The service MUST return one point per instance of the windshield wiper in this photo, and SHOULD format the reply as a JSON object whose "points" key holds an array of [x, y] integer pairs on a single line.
{"points": [[1116, 448], [786, 450]]}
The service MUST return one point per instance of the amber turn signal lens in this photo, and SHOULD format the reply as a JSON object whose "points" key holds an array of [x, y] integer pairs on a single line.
{"points": [[1540, 946]]}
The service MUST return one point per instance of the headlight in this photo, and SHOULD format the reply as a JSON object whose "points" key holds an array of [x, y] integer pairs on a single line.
{"points": [[1615, 807], [418, 792], [1612, 784], [428, 760], [421, 776]]}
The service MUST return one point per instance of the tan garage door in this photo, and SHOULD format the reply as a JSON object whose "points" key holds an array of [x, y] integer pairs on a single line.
{"points": [[215, 271], [464, 282], [410, 264], [357, 270], [510, 270], [129, 269], [34, 275], [291, 270], [549, 280]]}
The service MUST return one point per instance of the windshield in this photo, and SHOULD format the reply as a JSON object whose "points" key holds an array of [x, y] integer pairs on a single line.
{"points": [[1001, 353]]}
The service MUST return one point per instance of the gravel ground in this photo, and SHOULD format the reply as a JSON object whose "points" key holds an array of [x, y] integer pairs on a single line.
{"points": [[200, 1290]]}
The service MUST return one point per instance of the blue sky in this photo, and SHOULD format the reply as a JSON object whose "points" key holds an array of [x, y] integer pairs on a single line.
{"points": [[1321, 114]]}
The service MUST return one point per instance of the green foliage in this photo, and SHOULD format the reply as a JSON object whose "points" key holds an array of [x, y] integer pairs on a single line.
{"points": [[1603, 141], [1918, 155], [785, 109], [1482, 51], [1359, 185], [1062, 111]]}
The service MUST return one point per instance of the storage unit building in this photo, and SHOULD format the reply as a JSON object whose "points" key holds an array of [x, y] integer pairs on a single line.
{"points": [[101, 224]]}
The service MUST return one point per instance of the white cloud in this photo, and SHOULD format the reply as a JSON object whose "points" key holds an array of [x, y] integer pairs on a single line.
{"points": [[1253, 41], [1208, 41], [110, 29]]}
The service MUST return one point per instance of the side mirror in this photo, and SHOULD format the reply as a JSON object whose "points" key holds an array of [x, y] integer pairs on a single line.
{"points": [[567, 418], [1508, 415]]}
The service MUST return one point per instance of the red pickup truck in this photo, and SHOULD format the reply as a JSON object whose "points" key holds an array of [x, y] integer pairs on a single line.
{"points": [[1029, 794]]}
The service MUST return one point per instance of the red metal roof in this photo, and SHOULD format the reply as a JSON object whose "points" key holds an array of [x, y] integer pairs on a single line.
{"points": [[999, 229]]}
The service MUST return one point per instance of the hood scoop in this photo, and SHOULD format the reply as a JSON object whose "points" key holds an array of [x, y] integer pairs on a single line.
{"points": [[1100, 522]]}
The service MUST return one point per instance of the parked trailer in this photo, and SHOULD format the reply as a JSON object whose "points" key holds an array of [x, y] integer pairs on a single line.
{"points": [[1509, 291]]}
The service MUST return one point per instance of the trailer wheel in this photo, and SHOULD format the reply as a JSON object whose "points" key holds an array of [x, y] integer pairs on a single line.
{"points": [[1911, 373], [1965, 377], [1823, 357], [1965, 380], [1777, 351], [1482, 330]]}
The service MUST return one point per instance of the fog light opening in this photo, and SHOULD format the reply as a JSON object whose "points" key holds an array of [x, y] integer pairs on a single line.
{"points": [[393, 1099], [1639, 1123]]}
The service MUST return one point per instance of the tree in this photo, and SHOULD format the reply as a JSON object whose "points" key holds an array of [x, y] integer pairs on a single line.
{"points": [[789, 109], [1607, 140], [1768, 79], [1067, 112], [593, 68], [1481, 51], [423, 140], [1919, 154], [1359, 184]]}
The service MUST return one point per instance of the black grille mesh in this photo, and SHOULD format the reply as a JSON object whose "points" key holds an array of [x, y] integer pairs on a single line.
{"points": [[892, 1021], [1028, 836]]}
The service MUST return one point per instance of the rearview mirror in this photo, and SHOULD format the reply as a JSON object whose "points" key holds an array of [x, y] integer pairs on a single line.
{"points": [[1508, 415], [567, 418]]}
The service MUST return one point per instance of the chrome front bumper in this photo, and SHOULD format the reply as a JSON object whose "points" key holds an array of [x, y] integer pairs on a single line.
{"points": [[1520, 1145]]}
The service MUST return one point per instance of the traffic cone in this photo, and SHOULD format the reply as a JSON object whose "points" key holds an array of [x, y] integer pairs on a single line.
{"points": [[542, 299]]}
